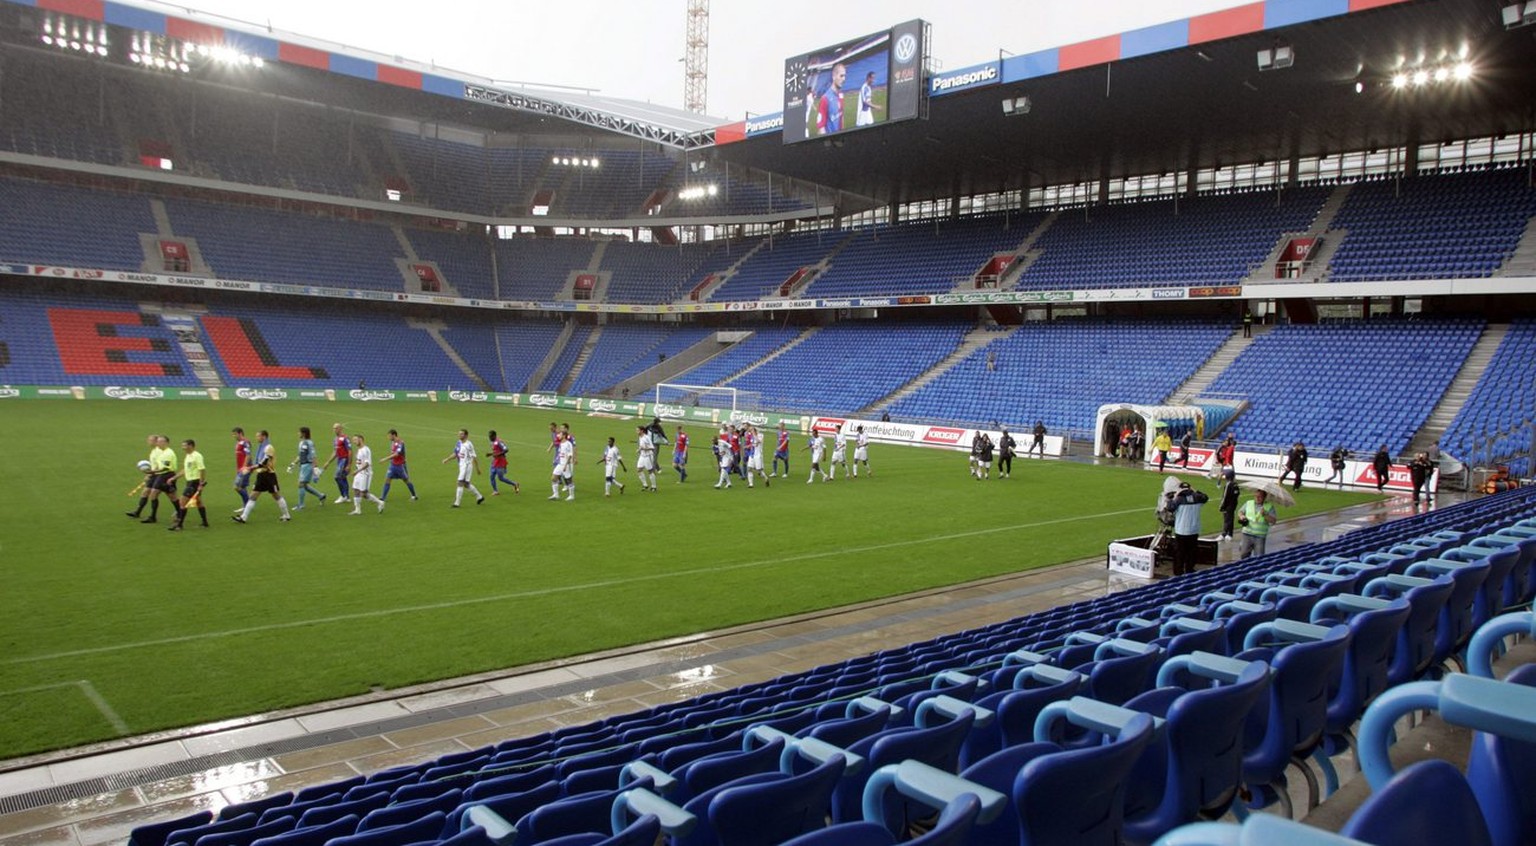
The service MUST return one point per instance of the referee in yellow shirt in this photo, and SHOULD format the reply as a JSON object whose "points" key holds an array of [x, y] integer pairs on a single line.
{"points": [[195, 472], [162, 478]]}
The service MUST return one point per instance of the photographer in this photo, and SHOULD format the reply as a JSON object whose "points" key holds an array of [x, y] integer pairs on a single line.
{"points": [[1185, 505], [1336, 460]]}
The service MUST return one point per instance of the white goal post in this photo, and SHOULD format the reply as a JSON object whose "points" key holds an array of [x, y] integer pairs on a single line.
{"points": [[707, 396]]}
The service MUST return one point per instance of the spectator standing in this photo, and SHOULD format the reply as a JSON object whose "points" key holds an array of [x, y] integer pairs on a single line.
{"points": [[1420, 471], [1229, 496], [1381, 462], [1184, 444], [1295, 462], [1039, 442], [1256, 518]]}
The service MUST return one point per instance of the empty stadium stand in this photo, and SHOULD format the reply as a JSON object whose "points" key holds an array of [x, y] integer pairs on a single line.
{"points": [[1061, 372], [772, 265], [1494, 422], [625, 350], [764, 341], [46, 223], [1445, 226], [73, 340], [1356, 383], [844, 367], [919, 258], [1205, 240]]}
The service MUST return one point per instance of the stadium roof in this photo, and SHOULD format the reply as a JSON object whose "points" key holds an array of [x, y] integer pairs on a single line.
{"points": [[1195, 106]]}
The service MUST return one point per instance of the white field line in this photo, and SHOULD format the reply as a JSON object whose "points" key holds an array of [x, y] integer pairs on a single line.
{"points": [[483, 600], [90, 693]]}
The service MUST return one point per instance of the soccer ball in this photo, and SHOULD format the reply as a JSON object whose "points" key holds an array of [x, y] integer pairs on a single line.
{"points": [[144, 466]]}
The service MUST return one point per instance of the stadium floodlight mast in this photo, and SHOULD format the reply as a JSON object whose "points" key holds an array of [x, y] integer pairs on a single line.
{"points": [[696, 61]]}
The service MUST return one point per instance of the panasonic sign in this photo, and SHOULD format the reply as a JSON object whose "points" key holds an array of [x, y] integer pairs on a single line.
{"points": [[767, 123], [972, 77]]}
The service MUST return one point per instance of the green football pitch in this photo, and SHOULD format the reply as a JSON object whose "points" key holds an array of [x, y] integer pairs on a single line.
{"points": [[114, 628]]}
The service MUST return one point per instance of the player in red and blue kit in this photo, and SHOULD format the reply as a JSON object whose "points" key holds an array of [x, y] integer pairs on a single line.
{"points": [[242, 460], [397, 466], [781, 452], [680, 455], [499, 464], [342, 455]]}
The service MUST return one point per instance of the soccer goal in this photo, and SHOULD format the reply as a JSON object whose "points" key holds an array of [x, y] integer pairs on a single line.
{"points": [[705, 396]]}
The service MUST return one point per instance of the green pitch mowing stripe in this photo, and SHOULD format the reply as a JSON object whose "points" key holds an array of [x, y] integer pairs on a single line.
{"points": [[176, 629]]}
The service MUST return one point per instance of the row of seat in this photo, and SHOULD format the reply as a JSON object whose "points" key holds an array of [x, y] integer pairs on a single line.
{"points": [[1117, 718]]}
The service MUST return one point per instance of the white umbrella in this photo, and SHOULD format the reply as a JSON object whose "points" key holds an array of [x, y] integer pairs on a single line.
{"points": [[1276, 491]]}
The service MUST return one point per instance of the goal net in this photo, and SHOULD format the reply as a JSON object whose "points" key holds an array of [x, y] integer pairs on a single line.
{"points": [[706, 396]]}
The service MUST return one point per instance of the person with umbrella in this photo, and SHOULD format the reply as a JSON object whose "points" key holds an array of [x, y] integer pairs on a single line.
{"points": [[1258, 515]]}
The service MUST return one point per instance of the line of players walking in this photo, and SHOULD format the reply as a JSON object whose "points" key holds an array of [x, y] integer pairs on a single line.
{"points": [[1005, 448], [738, 451]]}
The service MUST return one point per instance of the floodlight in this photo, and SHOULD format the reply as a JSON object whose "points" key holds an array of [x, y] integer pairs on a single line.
{"points": [[1400, 80], [1442, 74], [1463, 71], [1420, 77], [1359, 87], [1518, 14], [258, 62]]}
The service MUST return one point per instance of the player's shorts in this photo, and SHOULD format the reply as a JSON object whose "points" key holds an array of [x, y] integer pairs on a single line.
{"points": [[242, 480], [645, 461], [679, 457], [306, 473], [396, 471], [362, 481], [161, 482], [466, 471], [756, 461], [816, 457], [189, 490], [839, 456], [266, 483], [781, 455], [562, 469], [864, 118], [861, 454], [726, 461], [342, 464]]}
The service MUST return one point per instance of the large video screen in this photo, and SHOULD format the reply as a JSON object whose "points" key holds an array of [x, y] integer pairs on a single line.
{"points": [[857, 84]]}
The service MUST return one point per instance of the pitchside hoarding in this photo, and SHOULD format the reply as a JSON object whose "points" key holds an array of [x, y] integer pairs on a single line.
{"points": [[1268, 465]]}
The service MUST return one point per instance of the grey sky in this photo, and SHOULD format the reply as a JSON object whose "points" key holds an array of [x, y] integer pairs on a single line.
{"points": [[633, 48]]}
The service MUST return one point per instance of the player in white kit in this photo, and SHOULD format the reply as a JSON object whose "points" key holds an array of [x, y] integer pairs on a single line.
{"points": [[362, 476], [469, 468], [752, 448], [613, 462], [565, 456], [861, 453], [723, 451], [818, 448], [839, 454], [645, 460]]}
